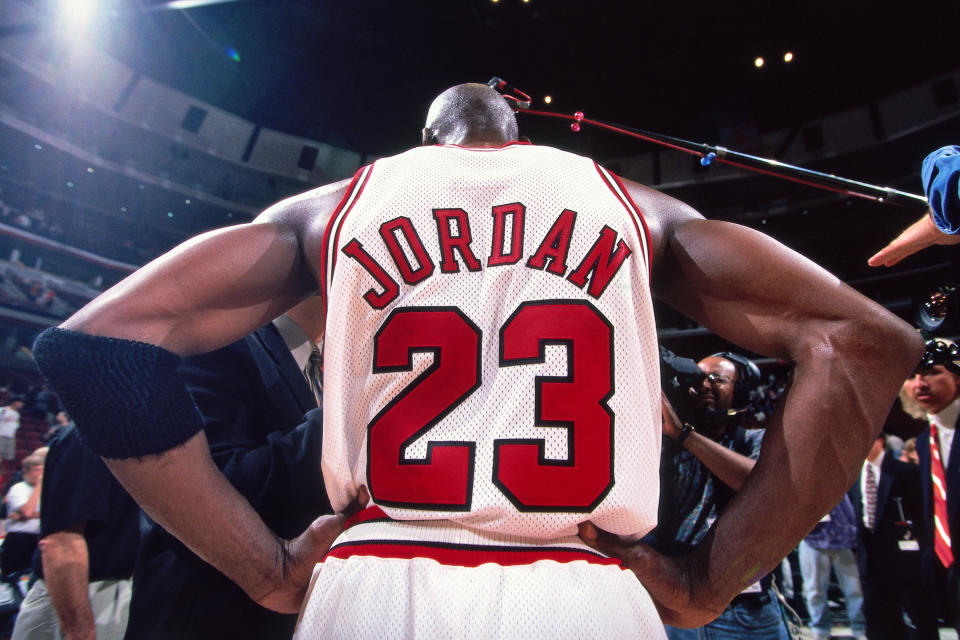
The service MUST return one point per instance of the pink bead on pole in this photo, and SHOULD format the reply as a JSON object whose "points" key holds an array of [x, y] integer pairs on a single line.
{"points": [[578, 116]]}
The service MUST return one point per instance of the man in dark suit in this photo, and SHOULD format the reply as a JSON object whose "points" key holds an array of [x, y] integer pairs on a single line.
{"points": [[935, 388], [891, 538], [253, 395]]}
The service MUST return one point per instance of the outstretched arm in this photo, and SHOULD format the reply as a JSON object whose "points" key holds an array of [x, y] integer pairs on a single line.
{"points": [[850, 356], [918, 236], [941, 184]]}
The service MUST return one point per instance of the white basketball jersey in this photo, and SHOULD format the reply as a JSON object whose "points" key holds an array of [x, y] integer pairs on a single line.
{"points": [[490, 351]]}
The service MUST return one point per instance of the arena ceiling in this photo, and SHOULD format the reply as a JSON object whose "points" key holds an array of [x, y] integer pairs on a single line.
{"points": [[361, 73]]}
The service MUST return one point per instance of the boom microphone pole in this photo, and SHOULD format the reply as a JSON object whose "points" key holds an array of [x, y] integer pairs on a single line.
{"points": [[520, 102]]}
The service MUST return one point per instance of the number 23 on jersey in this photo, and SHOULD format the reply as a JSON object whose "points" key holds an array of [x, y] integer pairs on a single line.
{"points": [[577, 402]]}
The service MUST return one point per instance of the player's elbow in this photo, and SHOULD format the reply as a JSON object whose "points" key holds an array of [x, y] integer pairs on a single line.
{"points": [[877, 342], [104, 323]]}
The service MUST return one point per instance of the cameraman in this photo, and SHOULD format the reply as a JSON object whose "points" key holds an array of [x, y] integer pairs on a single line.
{"points": [[705, 462]]}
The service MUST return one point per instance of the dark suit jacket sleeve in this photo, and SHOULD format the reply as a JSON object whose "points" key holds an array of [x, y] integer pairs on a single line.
{"points": [[258, 435]]}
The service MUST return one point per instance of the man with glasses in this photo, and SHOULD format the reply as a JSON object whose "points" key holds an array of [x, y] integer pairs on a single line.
{"points": [[702, 468], [935, 387]]}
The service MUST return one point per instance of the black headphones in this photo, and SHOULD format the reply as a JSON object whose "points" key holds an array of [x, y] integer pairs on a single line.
{"points": [[748, 380]]}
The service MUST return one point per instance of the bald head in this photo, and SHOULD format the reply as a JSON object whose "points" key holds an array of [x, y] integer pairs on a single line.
{"points": [[470, 114]]}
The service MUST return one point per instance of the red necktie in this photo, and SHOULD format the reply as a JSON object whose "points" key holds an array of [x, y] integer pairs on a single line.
{"points": [[941, 533]]}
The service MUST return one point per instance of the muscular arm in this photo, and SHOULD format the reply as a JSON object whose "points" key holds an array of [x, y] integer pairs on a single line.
{"points": [[221, 527], [219, 286], [208, 292], [850, 356], [203, 295], [66, 571]]}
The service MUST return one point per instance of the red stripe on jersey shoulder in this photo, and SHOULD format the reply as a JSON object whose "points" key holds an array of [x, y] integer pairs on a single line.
{"points": [[467, 555], [636, 214], [328, 260]]}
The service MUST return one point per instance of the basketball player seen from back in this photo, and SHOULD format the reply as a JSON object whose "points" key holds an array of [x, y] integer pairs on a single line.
{"points": [[491, 379]]}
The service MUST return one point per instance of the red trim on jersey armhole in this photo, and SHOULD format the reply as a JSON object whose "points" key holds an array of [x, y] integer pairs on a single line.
{"points": [[643, 221], [330, 224], [468, 555], [645, 233]]}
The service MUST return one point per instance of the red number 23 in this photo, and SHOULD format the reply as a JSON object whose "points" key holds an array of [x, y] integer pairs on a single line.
{"points": [[443, 479]]}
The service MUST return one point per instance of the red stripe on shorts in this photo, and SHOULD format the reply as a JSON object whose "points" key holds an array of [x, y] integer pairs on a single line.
{"points": [[467, 555], [370, 513]]}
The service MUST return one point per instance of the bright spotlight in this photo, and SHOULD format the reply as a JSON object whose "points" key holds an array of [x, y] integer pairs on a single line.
{"points": [[548, 99], [758, 62], [75, 15], [788, 56]]}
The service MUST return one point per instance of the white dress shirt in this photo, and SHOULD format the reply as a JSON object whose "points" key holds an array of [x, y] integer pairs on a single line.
{"points": [[295, 338], [946, 422]]}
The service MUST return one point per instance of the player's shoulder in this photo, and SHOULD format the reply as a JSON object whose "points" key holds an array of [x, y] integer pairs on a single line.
{"points": [[308, 202], [658, 204], [310, 207], [663, 214]]}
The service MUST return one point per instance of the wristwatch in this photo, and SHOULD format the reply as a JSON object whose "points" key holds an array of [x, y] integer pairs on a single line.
{"points": [[685, 432]]}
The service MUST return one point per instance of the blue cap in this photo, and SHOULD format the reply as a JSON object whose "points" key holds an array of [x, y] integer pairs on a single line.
{"points": [[941, 184]]}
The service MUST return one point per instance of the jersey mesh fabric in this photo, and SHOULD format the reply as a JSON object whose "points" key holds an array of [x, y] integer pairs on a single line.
{"points": [[369, 597], [503, 405]]}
